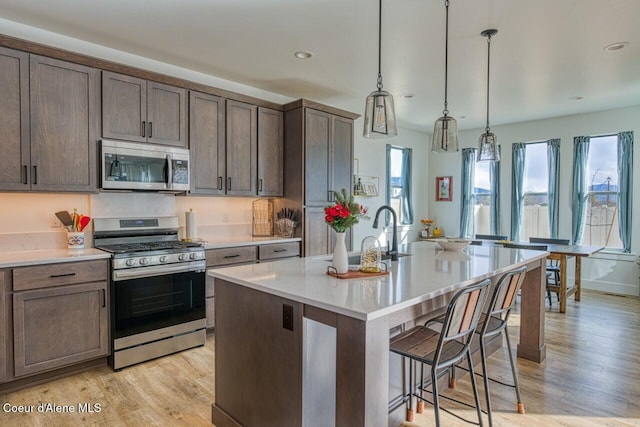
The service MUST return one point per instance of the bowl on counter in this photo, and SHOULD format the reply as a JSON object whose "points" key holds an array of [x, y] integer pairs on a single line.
{"points": [[453, 244]]}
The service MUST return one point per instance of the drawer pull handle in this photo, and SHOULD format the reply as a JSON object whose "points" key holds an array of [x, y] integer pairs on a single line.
{"points": [[63, 275], [143, 128], [104, 298], [232, 256], [279, 250]]}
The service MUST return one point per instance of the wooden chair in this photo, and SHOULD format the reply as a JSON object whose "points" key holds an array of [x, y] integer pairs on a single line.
{"points": [[494, 322], [491, 237], [553, 265], [443, 348]]}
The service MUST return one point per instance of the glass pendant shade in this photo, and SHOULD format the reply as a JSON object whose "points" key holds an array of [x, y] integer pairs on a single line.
{"points": [[445, 135], [488, 147], [379, 115]]}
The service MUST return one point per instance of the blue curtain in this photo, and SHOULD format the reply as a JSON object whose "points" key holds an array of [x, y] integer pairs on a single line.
{"points": [[494, 179], [407, 205], [517, 191], [468, 172], [553, 166], [625, 187], [579, 190]]}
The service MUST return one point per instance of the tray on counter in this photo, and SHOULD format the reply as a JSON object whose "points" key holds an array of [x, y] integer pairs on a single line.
{"points": [[354, 274]]}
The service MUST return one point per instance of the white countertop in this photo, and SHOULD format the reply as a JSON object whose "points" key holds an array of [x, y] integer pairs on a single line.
{"points": [[49, 256], [212, 242], [427, 273]]}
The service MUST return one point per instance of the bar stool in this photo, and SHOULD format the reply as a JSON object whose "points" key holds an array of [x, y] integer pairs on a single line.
{"points": [[494, 322], [444, 348]]}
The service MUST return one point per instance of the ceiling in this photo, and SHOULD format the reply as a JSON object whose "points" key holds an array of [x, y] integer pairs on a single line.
{"points": [[546, 52]]}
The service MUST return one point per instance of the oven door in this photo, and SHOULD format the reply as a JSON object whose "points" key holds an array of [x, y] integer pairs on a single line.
{"points": [[148, 303]]}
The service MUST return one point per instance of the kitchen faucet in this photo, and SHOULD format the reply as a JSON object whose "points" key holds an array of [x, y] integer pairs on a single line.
{"points": [[394, 241]]}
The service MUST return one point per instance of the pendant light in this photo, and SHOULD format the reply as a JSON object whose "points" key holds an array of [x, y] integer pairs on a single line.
{"points": [[379, 114], [488, 143], [445, 130]]}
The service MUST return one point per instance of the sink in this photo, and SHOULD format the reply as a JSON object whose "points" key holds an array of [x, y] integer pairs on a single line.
{"points": [[355, 259]]}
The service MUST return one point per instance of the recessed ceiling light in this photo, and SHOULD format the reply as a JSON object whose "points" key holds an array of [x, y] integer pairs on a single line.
{"points": [[616, 46], [575, 98], [302, 54], [407, 95]]}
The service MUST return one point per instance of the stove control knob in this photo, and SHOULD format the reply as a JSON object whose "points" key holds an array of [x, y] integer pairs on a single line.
{"points": [[144, 261], [163, 258], [193, 256], [130, 262], [183, 257]]}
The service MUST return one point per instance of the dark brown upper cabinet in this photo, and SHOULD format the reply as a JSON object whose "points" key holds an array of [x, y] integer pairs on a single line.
{"points": [[135, 109], [15, 161], [65, 125], [270, 152], [242, 149], [207, 144]]}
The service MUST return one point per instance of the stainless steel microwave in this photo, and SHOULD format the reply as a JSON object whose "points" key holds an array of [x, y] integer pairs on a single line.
{"points": [[142, 166]]}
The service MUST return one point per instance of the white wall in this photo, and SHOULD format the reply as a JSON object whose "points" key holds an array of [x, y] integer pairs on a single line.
{"points": [[619, 275], [371, 155]]}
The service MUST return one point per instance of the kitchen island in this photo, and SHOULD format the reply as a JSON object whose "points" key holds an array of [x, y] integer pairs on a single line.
{"points": [[295, 346]]}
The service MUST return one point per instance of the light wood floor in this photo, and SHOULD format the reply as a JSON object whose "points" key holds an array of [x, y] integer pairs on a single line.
{"points": [[591, 378]]}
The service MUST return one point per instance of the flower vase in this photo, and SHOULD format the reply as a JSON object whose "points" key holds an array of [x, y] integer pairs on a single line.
{"points": [[340, 258]]}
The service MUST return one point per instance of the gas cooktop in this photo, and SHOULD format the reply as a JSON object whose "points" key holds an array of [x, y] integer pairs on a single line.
{"points": [[121, 248]]}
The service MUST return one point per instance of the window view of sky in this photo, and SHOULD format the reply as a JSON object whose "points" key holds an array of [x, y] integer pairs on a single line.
{"points": [[536, 173], [603, 160]]}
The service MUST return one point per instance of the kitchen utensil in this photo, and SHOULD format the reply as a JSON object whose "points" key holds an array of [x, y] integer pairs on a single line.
{"points": [[84, 221], [64, 218]]}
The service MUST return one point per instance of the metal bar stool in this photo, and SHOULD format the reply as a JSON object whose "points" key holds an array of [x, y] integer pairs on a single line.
{"points": [[494, 322], [444, 348]]}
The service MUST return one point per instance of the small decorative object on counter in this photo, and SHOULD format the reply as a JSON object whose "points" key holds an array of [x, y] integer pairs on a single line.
{"points": [[287, 222], [370, 255], [263, 217], [437, 232], [341, 216], [426, 224], [75, 225], [75, 240]]}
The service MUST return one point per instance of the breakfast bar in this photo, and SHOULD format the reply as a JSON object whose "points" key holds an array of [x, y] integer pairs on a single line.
{"points": [[295, 345]]}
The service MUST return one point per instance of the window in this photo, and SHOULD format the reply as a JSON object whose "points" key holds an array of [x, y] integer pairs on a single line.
{"points": [[480, 208], [601, 210], [535, 190], [399, 183], [482, 199]]}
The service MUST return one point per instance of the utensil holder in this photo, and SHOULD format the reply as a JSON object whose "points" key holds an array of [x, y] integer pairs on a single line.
{"points": [[75, 240]]}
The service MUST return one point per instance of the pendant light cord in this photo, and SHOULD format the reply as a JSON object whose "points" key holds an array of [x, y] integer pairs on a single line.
{"points": [[446, 56], [487, 129], [380, 45]]}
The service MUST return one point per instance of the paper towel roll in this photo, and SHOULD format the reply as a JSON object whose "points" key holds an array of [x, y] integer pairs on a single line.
{"points": [[191, 226]]}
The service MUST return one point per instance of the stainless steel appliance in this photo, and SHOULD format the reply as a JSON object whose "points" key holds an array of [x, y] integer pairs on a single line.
{"points": [[157, 288], [141, 166]]}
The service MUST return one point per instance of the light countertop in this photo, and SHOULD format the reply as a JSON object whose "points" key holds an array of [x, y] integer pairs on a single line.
{"points": [[212, 242], [427, 273], [49, 256]]}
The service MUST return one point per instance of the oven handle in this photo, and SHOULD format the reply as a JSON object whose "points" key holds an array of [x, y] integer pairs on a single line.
{"points": [[159, 270]]}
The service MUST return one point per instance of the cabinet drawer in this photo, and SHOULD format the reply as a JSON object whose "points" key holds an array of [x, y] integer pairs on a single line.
{"points": [[66, 273], [226, 256], [279, 250]]}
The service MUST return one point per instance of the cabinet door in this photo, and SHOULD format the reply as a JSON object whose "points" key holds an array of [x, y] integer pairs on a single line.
{"points": [[65, 123], [341, 154], [242, 150], [316, 233], [270, 152], [124, 107], [167, 114], [14, 127], [317, 135], [59, 326], [207, 143], [4, 324]]}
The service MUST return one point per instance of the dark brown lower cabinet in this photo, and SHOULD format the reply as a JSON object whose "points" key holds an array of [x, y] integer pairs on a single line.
{"points": [[56, 327]]}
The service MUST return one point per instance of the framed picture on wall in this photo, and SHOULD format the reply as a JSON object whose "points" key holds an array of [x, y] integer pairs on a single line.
{"points": [[443, 189]]}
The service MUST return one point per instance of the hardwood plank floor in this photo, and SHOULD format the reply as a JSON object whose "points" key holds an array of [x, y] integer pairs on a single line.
{"points": [[591, 378]]}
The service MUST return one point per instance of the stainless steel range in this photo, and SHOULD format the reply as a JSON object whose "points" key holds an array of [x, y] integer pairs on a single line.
{"points": [[157, 288]]}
